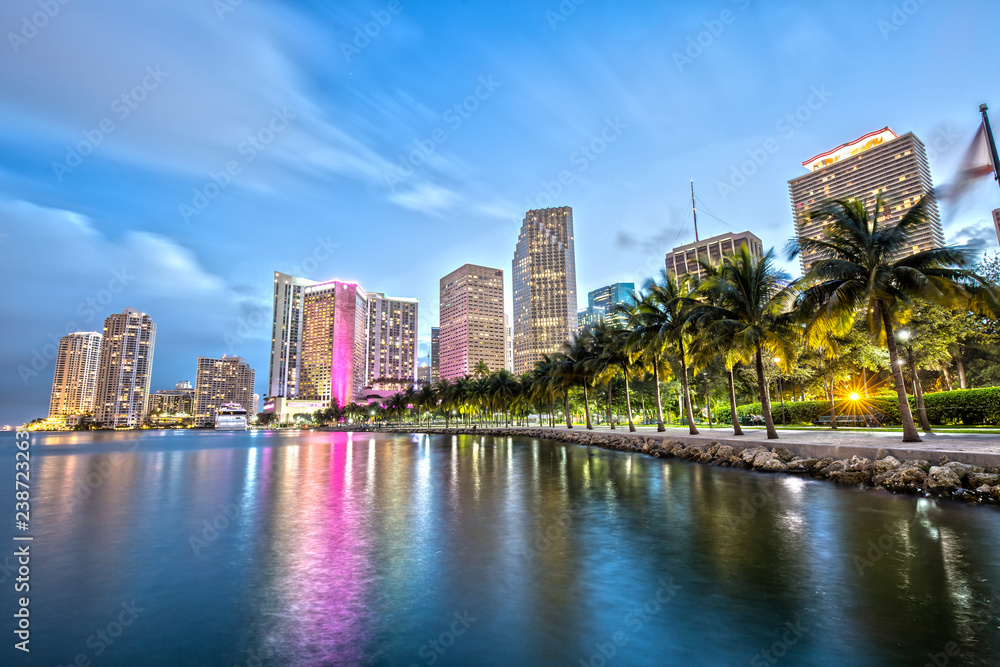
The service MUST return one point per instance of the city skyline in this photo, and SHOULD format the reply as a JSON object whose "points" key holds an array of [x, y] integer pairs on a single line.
{"points": [[109, 232]]}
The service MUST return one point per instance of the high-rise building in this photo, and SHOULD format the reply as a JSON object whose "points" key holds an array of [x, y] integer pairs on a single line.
{"points": [[684, 259], [879, 163], [435, 354], [334, 342], [75, 377], [286, 331], [179, 400], [221, 381], [508, 343], [996, 222], [603, 303], [125, 369], [392, 340], [472, 323], [423, 374], [544, 277]]}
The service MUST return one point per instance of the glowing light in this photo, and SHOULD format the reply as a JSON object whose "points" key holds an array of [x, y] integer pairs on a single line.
{"points": [[854, 396]]}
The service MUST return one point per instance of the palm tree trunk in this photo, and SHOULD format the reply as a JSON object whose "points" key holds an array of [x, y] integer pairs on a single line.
{"points": [[610, 420], [692, 429], [586, 407], [925, 424], [569, 422], [737, 429], [628, 403], [947, 378], [765, 399], [909, 430], [833, 407], [961, 369], [659, 402]]}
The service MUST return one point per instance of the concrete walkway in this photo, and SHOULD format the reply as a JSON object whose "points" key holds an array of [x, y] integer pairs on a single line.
{"points": [[970, 448]]}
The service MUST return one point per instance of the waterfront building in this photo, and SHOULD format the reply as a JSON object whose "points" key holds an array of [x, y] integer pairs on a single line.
{"points": [[126, 364], [603, 303], [879, 163], [392, 340], [176, 401], [334, 342], [544, 280], [472, 324], [435, 354], [75, 378], [286, 331], [219, 382], [684, 259]]}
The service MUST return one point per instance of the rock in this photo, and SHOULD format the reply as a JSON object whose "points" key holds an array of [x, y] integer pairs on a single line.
{"points": [[984, 489], [748, 455], [857, 470], [881, 454], [904, 479], [995, 493], [645, 448], [884, 464], [977, 479], [942, 480], [766, 460], [942, 460], [963, 469], [724, 453], [783, 454]]}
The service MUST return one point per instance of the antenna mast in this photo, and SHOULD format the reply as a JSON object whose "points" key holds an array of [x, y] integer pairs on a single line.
{"points": [[694, 210]]}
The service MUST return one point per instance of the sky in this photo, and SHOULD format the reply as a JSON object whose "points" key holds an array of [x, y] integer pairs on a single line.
{"points": [[170, 156]]}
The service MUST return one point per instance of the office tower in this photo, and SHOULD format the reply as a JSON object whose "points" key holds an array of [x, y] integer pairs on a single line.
{"points": [[472, 325], [544, 268], [392, 341], [423, 374], [286, 331], [179, 400], [221, 381], [435, 354], [256, 406], [125, 368], [996, 222], [684, 259], [603, 303], [879, 163], [334, 342], [75, 377], [508, 344]]}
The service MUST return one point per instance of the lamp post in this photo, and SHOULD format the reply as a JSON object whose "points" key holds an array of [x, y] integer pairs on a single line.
{"points": [[906, 338], [781, 393]]}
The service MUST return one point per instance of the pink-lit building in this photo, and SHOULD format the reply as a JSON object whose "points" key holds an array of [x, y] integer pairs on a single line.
{"points": [[334, 342]]}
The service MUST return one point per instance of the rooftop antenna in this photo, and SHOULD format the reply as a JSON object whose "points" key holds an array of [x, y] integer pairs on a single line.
{"points": [[694, 210]]}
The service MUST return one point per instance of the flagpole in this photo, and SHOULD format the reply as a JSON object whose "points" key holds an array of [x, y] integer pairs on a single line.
{"points": [[993, 144]]}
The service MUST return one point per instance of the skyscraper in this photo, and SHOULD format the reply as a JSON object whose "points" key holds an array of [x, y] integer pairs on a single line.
{"points": [[602, 306], [508, 343], [879, 163], [179, 400], [435, 354], [286, 331], [221, 381], [125, 369], [334, 342], [472, 323], [392, 340], [544, 277], [75, 379], [684, 258]]}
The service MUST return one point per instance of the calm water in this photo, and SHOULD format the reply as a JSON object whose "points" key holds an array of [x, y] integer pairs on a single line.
{"points": [[418, 550]]}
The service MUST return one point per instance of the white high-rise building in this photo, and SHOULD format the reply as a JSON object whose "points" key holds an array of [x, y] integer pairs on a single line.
{"points": [[286, 335], [218, 382], [392, 341], [126, 365], [75, 378]]}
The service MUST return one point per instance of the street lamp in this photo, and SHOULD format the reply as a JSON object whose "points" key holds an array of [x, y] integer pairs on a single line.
{"points": [[781, 393]]}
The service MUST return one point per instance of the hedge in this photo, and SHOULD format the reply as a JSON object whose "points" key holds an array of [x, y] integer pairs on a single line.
{"points": [[967, 407]]}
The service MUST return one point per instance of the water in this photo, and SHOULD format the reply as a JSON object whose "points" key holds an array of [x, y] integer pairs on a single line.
{"points": [[420, 550]]}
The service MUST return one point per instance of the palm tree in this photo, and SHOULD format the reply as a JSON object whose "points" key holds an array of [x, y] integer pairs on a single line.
{"points": [[426, 398], [750, 312], [504, 390], [546, 386], [445, 391], [862, 270], [661, 324], [609, 358], [576, 359]]}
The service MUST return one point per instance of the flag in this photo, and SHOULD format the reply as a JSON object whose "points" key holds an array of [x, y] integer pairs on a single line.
{"points": [[977, 163]]}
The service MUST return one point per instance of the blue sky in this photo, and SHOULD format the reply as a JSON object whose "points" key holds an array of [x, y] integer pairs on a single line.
{"points": [[225, 140]]}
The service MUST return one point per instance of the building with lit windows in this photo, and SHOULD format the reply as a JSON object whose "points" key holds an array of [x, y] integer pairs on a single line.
{"points": [[472, 321], [221, 381], [544, 280], [334, 342], [75, 379], [126, 364], [392, 341], [435, 354], [286, 330], [602, 306], [176, 401], [684, 259], [879, 163]]}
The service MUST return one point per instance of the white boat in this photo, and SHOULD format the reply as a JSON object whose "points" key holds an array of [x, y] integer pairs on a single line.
{"points": [[231, 417]]}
